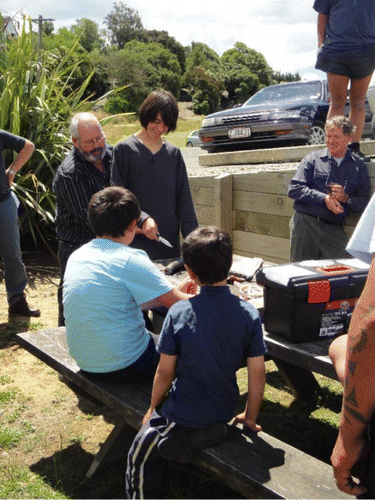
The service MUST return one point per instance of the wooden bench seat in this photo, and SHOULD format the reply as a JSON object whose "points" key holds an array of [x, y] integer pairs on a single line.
{"points": [[256, 466]]}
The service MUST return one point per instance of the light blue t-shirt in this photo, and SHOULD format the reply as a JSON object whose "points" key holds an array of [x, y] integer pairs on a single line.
{"points": [[351, 24], [105, 284]]}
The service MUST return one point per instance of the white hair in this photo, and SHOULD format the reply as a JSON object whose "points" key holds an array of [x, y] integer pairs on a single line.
{"points": [[82, 118]]}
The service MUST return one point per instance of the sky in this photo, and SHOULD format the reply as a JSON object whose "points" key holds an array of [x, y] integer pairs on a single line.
{"points": [[284, 31]]}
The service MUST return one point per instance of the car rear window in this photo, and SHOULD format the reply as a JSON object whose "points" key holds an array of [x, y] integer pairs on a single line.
{"points": [[310, 90]]}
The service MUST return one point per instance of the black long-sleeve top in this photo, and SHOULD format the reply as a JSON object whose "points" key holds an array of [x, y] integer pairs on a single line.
{"points": [[161, 185]]}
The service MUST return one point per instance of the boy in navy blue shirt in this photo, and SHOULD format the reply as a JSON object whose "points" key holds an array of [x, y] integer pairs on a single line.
{"points": [[204, 341]]}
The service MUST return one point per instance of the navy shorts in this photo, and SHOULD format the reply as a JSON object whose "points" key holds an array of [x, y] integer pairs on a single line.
{"points": [[355, 66]]}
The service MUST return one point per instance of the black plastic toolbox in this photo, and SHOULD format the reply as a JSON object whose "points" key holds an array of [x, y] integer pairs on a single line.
{"points": [[303, 302]]}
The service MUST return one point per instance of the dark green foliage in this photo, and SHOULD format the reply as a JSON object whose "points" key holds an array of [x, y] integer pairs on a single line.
{"points": [[168, 42], [144, 67], [124, 24], [66, 45], [88, 33], [203, 78], [116, 104], [246, 71], [36, 101], [278, 77]]}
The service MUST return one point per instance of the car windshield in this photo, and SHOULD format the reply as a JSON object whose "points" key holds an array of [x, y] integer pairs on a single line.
{"points": [[310, 90]]}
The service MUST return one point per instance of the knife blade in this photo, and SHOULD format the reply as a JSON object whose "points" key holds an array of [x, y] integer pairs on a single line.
{"points": [[164, 241]]}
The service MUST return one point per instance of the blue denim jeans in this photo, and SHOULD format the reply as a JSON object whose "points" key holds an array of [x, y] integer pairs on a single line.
{"points": [[10, 250]]}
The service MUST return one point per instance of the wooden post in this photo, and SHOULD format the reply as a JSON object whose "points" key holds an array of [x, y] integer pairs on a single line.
{"points": [[223, 202]]}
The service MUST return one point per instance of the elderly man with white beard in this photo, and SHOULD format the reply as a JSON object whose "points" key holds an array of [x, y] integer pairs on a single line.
{"points": [[84, 171]]}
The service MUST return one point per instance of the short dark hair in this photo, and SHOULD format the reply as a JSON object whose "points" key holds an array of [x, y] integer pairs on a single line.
{"points": [[160, 101], [208, 252], [111, 210]]}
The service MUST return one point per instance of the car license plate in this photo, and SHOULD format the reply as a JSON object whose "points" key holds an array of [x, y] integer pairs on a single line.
{"points": [[239, 132]]}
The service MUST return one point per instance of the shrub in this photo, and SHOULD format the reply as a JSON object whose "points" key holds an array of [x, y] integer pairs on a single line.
{"points": [[116, 104]]}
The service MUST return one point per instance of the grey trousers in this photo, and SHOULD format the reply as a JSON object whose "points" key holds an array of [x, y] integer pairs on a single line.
{"points": [[311, 239], [10, 250]]}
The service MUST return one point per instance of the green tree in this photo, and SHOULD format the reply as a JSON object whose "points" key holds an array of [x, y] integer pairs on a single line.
{"points": [[206, 91], [47, 27], [278, 77], [203, 78], [246, 71], [202, 56], [124, 24], [88, 34], [68, 41], [240, 83], [144, 67], [168, 42]]}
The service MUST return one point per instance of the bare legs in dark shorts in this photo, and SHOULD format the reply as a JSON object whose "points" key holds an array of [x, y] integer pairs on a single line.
{"points": [[340, 70], [338, 85]]}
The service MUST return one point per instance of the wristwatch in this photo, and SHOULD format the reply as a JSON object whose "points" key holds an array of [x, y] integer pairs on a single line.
{"points": [[349, 201], [11, 171]]}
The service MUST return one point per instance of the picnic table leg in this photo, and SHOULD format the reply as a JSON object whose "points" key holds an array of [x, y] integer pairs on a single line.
{"points": [[302, 382], [114, 448]]}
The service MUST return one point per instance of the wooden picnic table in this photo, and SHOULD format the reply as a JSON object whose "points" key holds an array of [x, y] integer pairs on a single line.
{"points": [[255, 465]]}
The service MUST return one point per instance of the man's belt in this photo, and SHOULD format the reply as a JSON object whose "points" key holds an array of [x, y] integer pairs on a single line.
{"points": [[326, 221]]}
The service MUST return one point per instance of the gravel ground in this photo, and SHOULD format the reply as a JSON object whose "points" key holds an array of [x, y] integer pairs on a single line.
{"points": [[194, 169]]}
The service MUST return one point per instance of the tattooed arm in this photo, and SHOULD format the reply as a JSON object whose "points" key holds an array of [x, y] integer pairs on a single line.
{"points": [[359, 390]]}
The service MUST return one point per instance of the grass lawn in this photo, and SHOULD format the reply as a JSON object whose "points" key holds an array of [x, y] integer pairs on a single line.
{"points": [[49, 435]]}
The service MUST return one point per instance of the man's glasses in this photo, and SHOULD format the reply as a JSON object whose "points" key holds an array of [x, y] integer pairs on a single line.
{"points": [[94, 141]]}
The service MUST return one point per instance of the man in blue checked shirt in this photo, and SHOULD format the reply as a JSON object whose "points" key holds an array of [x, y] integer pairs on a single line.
{"points": [[327, 185]]}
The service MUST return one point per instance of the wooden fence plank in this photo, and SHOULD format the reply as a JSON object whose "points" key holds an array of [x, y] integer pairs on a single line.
{"points": [[265, 203], [205, 215], [223, 208], [267, 247], [203, 195], [263, 182], [270, 225]]}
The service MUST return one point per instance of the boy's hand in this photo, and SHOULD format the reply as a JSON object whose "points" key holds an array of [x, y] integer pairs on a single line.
{"points": [[147, 416], [250, 424], [188, 286]]}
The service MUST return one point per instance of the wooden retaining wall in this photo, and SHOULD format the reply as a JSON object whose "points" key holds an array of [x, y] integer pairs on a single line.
{"points": [[254, 209]]}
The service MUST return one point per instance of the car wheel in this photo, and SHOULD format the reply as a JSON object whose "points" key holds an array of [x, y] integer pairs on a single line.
{"points": [[317, 134], [189, 144]]}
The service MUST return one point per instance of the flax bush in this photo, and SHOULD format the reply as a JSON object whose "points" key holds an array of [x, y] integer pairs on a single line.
{"points": [[36, 102]]}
